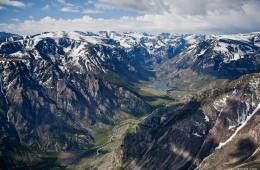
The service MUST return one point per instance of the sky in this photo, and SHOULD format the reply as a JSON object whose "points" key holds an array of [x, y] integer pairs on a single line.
{"points": [[29, 17]]}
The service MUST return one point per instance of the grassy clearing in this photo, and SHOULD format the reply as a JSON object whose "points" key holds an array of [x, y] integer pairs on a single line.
{"points": [[102, 135], [154, 96], [145, 90]]}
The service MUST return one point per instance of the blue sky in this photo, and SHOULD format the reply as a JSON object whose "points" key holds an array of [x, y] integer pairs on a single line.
{"points": [[178, 16], [66, 9]]}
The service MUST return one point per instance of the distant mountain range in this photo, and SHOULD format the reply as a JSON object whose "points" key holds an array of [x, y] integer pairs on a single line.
{"points": [[56, 86]]}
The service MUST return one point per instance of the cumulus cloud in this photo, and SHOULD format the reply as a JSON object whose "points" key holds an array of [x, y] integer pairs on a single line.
{"points": [[18, 4], [200, 16]]}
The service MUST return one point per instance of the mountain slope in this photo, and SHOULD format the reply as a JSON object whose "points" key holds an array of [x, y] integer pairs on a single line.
{"points": [[54, 98], [187, 133], [225, 57], [209, 61]]}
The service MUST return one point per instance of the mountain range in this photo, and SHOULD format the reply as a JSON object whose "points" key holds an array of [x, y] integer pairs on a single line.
{"points": [[165, 101]]}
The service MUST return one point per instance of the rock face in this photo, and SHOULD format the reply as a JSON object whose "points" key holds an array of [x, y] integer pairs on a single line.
{"points": [[221, 122], [4, 36], [9, 140]]}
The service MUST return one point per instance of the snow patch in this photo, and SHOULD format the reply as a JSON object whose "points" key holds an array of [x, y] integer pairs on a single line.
{"points": [[239, 128], [196, 134], [206, 118]]}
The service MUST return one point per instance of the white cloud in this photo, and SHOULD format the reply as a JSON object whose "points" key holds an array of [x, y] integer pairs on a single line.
{"points": [[200, 16], [92, 11], [183, 7], [68, 7], [46, 7], [18, 4], [141, 6], [16, 19]]}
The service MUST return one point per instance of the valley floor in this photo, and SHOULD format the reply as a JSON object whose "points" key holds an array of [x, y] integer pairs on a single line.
{"points": [[104, 154]]}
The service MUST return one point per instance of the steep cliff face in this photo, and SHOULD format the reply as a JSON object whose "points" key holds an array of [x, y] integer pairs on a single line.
{"points": [[182, 136], [9, 139]]}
